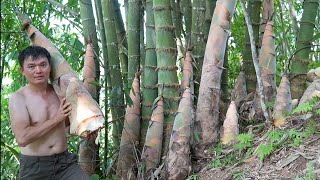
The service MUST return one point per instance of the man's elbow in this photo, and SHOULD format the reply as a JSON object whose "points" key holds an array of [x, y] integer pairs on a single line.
{"points": [[22, 142]]}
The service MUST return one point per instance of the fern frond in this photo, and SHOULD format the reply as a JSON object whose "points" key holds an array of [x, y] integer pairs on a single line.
{"points": [[265, 150], [310, 129]]}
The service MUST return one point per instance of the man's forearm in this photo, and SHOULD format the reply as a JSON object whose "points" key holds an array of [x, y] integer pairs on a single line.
{"points": [[32, 133]]}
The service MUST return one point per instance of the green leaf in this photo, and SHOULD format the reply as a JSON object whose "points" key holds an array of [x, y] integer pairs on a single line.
{"points": [[95, 83], [95, 177], [315, 37], [264, 150]]}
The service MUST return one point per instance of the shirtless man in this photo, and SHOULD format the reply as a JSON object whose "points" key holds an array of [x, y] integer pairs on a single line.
{"points": [[38, 120]]}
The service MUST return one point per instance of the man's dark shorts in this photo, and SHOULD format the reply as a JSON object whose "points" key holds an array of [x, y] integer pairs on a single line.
{"points": [[61, 166]]}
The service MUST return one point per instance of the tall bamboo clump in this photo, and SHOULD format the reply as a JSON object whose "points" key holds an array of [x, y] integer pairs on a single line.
{"points": [[207, 118], [166, 63], [86, 115], [149, 82], [248, 67], [88, 149], [133, 39], [116, 99], [301, 59], [197, 39], [130, 134]]}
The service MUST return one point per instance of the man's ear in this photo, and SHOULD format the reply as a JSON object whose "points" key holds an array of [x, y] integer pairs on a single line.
{"points": [[21, 70]]}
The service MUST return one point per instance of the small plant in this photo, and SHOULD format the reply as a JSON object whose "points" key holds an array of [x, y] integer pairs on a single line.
{"points": [[216, 163], [265, 150], [311, 128], [310, 175], [193, 177], [239, 175], [244, 141], [307, 106]]}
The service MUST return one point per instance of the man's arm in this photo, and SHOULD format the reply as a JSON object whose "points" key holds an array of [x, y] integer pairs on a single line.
{"points": [[26, 133]]}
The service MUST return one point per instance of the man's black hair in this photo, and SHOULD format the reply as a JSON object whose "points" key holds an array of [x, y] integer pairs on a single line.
{"points": [[34, 52]]}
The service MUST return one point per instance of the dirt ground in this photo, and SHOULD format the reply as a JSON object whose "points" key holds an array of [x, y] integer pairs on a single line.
{"points": [[285, 163]]}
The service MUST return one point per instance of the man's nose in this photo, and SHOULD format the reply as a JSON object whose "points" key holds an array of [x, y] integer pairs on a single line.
{"points": [[38, 69]]}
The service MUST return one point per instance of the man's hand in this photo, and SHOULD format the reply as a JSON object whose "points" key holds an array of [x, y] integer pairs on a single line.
{"points": [[64, 111]]}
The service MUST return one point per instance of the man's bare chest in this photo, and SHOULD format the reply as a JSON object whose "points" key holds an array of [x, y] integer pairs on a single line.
{"points": [[41, 109]]}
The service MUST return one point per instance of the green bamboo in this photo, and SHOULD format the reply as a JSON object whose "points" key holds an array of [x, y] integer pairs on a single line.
{"points": [[254, 7], [176, 17], [142, 29], [210, 6], [186, 8], [116, 99], [299, 66], [89, 149], [107, 78], [133, 39], [197, 40], [225, 95], [166, 63], [122, 42], [150, 77]]}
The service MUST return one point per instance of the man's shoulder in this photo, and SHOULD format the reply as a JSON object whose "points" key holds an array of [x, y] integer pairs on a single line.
{"points": [[18, 95]]}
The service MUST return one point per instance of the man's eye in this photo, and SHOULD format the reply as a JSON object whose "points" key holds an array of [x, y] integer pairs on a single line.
{"points": [[44, 65], [31, 67]]}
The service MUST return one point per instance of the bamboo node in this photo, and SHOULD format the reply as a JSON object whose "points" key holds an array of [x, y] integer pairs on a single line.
{"points": [[174, 50], [166, 28], [161, 8], [167, 68]]}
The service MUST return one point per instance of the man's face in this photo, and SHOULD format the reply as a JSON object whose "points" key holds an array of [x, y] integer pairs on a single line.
{"points": [[36, 71]]}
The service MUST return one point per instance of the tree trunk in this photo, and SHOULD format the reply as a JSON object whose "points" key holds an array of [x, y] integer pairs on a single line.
{"points": [[300, 61], [207, 116], [116, 99], [133, 39], [150, 77], [248, 67], [197, 40], [166, 64]]}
